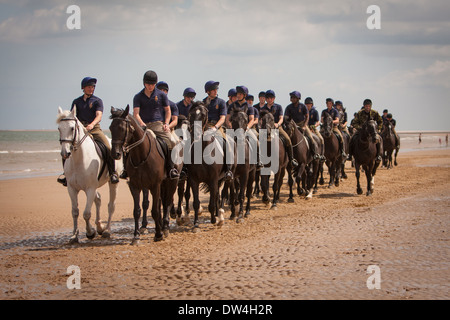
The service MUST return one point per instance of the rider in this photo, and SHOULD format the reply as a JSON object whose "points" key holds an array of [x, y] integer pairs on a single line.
{"points": [[343, 120], [277, 112], [298, 112], [232, 97], [314, 120], [185, 105], [217, 111], [164, 87], [335, 116], [363, 116], [89, 113], [151, 108], [262, 101], [393, 123], [241, 104]]}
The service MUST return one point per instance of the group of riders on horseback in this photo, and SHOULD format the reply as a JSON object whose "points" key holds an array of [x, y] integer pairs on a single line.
{"points": [[146, 139], [156, 112]]}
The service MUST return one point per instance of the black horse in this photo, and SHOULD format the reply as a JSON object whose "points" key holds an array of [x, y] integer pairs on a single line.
{"points": [[244, 175], [333, 155], [364, 151], [389, 145], [200, 172], [268, 124]]}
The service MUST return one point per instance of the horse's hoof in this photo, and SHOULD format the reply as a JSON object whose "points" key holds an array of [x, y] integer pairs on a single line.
{"points": [[135, 242], [179, 221], [219, 223], [344, 176], [73, 241], [106, 235], [157, 239], [166, 233], [274, 207], [368, 193], [309, 196], [92, 236], [196, 229], [291, 200], [315, 191], [359, 191], [240, 220], [330, 186], [321, 182], [143, 230]]}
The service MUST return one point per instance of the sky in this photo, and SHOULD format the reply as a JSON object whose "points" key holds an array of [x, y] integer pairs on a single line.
{"points": [[320, 48]]}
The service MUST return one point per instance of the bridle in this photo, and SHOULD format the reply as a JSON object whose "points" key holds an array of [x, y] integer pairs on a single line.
{"points": [[129, 129], [73, 143]]}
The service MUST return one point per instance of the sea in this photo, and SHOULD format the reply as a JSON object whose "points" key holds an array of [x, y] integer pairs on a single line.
{"points": [[27, 154]]}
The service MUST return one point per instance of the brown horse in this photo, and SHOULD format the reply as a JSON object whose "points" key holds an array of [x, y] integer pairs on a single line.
{"points": [[200, 171], [245, 170], [146, 171], [271, 140], [389, 145], [364, 151], [332, 153]]}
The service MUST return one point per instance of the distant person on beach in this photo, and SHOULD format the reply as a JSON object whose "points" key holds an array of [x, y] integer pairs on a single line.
{"points": [[89, 111], [446, 140], [420, 138]]}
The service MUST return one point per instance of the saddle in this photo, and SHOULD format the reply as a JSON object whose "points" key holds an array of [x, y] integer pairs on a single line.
{"points": [[104, 153]]}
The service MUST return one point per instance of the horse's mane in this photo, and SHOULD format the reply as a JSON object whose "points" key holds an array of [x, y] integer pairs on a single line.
{"points": [[264, 112], [63, 115]]}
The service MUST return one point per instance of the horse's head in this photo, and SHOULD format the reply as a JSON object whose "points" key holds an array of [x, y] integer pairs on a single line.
{"points": [[387, 129], [198, 114], [288, 126], [369, 128], [68, 131], [120, 130], [267, 121], [239, 119], [327, 125]]}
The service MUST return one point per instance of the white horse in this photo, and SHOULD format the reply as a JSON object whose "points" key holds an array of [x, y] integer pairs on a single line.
{"points": [[81, 168]]}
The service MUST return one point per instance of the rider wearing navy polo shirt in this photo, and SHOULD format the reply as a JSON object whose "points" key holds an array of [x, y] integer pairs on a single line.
{"points": [[217, 111], [151, 108], [277, 112], [335, 116], [164, 87], [185, 105], [314, 118], [298, 112], [89, 111]]}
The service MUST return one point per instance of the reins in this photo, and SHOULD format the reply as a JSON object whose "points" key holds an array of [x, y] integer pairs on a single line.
{"points": [[73, 142]]}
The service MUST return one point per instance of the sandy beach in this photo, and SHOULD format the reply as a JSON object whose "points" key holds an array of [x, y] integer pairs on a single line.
{"points": [[316, 249]]}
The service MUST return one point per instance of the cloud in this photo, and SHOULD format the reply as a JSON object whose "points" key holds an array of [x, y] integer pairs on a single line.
{"points": [[435, 75]]}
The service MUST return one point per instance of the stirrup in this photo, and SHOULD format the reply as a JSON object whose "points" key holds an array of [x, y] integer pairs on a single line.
{"points": [[114, 178], [378, 159], [124, 175], [173, 174], [228, 176], [317, 156], [294, 163], [62, 180]]}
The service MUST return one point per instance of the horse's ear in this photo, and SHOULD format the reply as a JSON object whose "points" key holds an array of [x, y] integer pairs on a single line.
{"points": [[74, 111], [60, 110], [126, 111]]}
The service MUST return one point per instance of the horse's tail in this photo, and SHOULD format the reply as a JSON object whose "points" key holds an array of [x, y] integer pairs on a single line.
{"points": [[205, 188]]}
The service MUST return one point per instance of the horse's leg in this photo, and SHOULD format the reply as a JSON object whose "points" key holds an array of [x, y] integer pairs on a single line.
{"points": [[75, 213], [395, 159], [337, 176], [111, 208], [290, 183], [232, 199], [265, 189], [167, 205], [145, 206], [187, 196], [156, 212], [301, 178], [332, 173], [136, 194], [91, 194], [257, 182], [358, 174], [242, 186], [249, 191], [180, 192], [213, 191], [196, 204], [369, 178], [98, 222], [321, 180]]}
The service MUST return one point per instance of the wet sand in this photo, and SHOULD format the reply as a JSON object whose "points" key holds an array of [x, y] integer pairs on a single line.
{"points": [[316, 249]]}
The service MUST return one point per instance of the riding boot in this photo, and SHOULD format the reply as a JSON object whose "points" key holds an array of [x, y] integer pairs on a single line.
{"points": [[112, 170], [124, 174], [313, 149], [259, 164], [290, 152], [62, 179], [341, 148], [173, 172]]}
